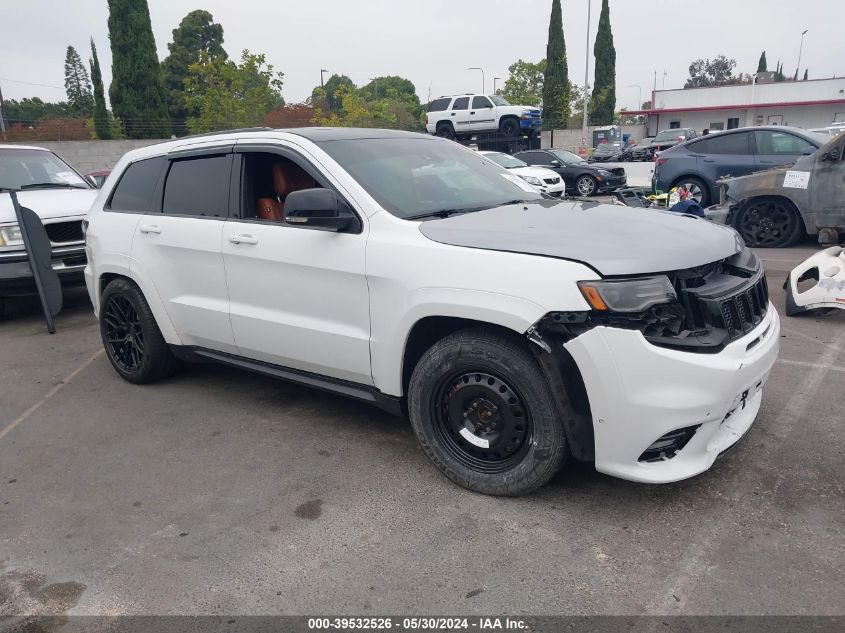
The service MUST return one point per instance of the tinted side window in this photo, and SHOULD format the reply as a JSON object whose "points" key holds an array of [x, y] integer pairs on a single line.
{"points": [[461, 104], [727, 144], [198, 186], [781, 143], [481, 102], [438, 105], [134, 191]]}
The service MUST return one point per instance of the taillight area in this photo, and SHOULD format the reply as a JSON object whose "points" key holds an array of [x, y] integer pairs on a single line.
{"points": [[659, 161]]}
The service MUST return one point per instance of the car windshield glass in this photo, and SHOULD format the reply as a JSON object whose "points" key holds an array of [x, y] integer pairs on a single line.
{"points": [[567, 158], [415, 176], [669, 135], [505, 160], [499, 101], [35, 168]]}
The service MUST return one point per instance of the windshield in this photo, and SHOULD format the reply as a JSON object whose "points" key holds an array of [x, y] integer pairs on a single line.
{"points": [[670, 135], [505, 160], [499, 101], [35, 168], [414, 176], [567, 158]]}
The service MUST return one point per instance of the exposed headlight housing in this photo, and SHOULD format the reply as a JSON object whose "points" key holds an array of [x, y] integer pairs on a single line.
{"points": [[604, 172], [628, 295], [531, 180], [10, 236]]}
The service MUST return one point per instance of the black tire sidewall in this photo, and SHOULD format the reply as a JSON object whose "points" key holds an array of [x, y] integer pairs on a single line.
{"points": [[446, 126], [513, 123], [476, 351]]}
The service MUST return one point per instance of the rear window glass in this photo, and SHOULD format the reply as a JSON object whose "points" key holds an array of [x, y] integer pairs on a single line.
{"points": [[198, 186], [438, 105], [134, 191]]}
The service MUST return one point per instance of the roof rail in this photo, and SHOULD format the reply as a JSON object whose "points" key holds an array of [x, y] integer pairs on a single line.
{"points": [[232, 131]]}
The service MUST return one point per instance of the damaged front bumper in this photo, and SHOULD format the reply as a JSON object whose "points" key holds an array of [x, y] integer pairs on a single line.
{"points": [[661, 415]]}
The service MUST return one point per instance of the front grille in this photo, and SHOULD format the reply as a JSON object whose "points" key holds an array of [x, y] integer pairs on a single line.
{"points": [[65, 232], [744, 311], [618, 171], [551, 181]]}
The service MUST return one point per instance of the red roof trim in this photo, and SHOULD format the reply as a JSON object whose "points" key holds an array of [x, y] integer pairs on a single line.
{"points": [[740, 106]]}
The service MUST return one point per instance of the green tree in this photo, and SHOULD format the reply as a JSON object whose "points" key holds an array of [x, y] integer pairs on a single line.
{"points": [[762, 65], [715, 72], [556, 79], [197, 33], [779, 76], [524, 85], [77, 85], [229, 95], [603, 105], [102, 120], [393, 102], [806, 74], [137, 91], [331, 94], [576, 113], [30, 110]]}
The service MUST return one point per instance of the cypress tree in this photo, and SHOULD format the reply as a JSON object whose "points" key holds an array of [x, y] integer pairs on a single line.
{"points": [[762, 65], [77, 84], [806, 74], [556, 79], [137, 91], [603, 100], [102, 120]]}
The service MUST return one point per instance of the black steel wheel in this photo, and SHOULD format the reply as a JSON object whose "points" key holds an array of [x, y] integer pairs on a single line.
{"points": [[131, 337], [445, 130], [484, 413], [768, 222], [509, 127]]}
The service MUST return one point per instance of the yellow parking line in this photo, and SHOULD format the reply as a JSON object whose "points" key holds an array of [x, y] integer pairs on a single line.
{"points": [[23, 416]]}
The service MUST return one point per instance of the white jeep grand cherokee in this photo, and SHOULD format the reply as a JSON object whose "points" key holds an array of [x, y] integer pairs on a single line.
{"points": [[410, 272]]}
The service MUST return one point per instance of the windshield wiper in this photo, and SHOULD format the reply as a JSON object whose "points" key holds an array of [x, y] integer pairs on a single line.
{"points": [[51, 185], [445, 213]]}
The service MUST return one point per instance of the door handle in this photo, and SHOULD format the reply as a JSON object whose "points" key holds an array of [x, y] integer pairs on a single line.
{"points": [[242, 238], [150, 228], [708, 160], [472, 112], [453, 114]]}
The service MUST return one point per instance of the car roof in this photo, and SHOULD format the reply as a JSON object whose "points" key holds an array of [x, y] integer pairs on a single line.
{"points": [[14, 146]]}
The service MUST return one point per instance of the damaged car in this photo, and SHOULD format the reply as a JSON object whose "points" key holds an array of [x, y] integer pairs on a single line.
{"points": [[409, 272], [779, 207]]}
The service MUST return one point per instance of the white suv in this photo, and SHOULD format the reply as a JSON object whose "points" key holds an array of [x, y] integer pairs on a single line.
{"points": [[412, 273], [462, 116]]}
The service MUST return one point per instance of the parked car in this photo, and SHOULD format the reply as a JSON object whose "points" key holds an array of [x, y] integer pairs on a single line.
{"points": [[698, 164], [607, 153], [579, 176], [463, 116], [60, 197], [98, 177], [669, 138], [642, 151], [410, 272], [780, 206], [544, 180]]}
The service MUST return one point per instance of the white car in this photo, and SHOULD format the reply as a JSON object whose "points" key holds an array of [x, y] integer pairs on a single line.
{"points": [[60, 197], [409, 272], [463, 116], [542, 179]]}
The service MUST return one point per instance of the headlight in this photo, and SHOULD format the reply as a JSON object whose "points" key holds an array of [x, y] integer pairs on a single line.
{"points": [[604, 172], [10, 235], [531, 180], [627, 295]]}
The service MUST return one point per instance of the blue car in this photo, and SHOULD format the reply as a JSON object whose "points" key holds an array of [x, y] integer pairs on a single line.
{"points": [[699, 163]]}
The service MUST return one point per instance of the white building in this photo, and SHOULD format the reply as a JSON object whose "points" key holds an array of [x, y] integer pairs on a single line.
{"points": [[808, 104]]}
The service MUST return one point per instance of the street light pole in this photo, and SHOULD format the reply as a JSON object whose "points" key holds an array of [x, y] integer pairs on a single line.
{"points": [[586, 79], [800, 50], [495, 79], [482, 76], [322, 70], [2, 122]]}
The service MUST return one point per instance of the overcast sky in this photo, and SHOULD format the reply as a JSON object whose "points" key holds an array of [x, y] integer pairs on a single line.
{"points": [[433, 42]]}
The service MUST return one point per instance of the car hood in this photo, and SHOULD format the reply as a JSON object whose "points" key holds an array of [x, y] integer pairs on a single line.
{"points": [[611, 239], [49, 203], [537, 172]]}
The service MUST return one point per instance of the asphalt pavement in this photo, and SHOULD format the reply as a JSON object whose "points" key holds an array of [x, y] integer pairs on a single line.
{"points": [[223, 492]]}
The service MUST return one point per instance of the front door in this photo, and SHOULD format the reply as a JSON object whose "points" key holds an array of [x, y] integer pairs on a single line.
{"points": [[177, 246], [827, 186], [298, 296], [481, 115]]}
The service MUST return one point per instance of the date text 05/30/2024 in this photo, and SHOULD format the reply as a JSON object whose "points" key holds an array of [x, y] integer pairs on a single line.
{"points": [[417, 624]]}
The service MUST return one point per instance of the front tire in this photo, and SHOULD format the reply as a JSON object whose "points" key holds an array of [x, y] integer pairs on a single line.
{"points": [[769, 222], [509, 127], [483, 412], [585, 186], [131, 337]]}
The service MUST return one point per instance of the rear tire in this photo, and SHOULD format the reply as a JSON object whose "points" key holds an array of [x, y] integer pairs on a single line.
{"points": [[698, 190], [769, 222], [131, 337], [475, 386], [445, 130]]}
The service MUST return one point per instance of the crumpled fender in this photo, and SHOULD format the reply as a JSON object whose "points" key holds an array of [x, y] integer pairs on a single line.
{"points": [[827, 267]]}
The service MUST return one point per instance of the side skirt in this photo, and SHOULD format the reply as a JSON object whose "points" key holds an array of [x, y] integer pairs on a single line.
{"points": [[364, 393]]}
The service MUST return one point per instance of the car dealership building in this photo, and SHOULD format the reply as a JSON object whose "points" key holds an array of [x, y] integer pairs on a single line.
{"points": [[808, 104]]}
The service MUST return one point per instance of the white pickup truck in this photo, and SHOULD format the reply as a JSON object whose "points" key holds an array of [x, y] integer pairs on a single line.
{"points": [[462, 116]]}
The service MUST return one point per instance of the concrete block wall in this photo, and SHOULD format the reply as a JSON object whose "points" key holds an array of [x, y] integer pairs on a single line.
{"points": [[88, 156]]}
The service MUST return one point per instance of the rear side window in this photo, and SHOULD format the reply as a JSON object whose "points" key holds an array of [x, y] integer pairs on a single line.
{"points": [[198, 186], [771, 142], [134, 191], [727, 144], [461, 104], [438, 105]]}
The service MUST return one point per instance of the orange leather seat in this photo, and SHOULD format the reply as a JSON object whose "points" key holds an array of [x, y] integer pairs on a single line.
{"points": [[287, 177]]}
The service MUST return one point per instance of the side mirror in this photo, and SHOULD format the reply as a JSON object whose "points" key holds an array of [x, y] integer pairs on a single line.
{"points": [[830, 156], [555, 163], [90, 180], [318, 209]]}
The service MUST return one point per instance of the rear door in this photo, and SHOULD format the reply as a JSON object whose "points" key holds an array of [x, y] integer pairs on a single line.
{"points": [[775, 148], [460, 115], [177, 246], [481, 115], [722, 155]]}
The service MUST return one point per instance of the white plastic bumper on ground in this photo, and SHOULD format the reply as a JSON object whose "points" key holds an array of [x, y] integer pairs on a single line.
{"points": [[639, 392]]}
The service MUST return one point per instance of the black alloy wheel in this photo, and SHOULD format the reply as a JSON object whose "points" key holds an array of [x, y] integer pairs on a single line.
{"points": [[768, 223], [509, 127], [123, 334]]}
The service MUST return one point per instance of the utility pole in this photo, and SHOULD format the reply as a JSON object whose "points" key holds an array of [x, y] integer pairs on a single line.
{"points": [[2, 122], [800, 50], [482, 77], [586, 79], [322, 70]]}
